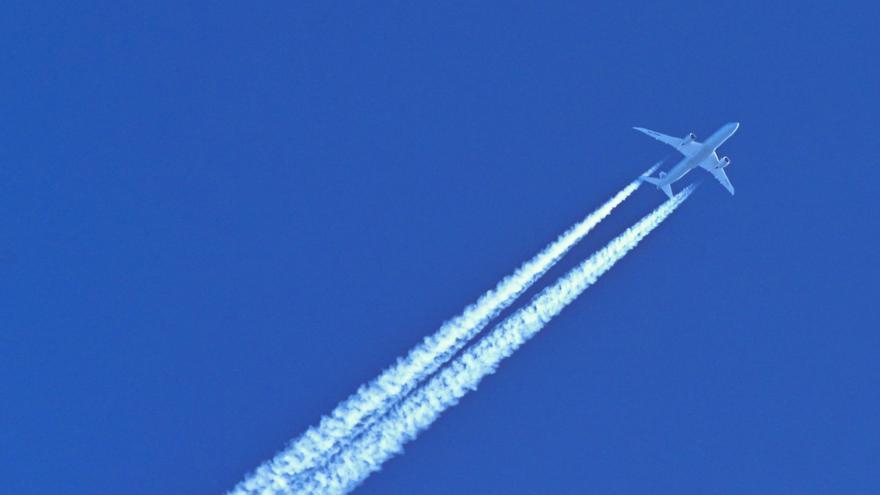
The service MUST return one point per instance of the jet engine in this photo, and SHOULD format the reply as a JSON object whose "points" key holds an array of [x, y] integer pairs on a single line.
{"points": [[724, 162], [687, 139]]}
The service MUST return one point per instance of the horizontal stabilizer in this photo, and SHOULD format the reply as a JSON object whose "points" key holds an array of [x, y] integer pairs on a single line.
{"points": [[666, 188]]}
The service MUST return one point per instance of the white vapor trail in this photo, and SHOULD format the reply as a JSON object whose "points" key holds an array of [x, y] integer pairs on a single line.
{"points": [[314, 447], [412, 415]]}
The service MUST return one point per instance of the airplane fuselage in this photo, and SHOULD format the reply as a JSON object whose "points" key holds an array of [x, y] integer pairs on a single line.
{"points": [[696, 154], [706, 153]]}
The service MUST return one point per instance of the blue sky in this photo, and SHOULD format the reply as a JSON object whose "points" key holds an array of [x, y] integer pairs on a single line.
{"points": [[221, 219]]}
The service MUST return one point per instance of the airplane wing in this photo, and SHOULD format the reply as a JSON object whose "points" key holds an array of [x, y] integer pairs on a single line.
{"points": [[721, 175], [686, 149]]}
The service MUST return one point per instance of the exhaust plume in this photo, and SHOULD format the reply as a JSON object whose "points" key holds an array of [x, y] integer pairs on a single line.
{"points": [[372, 400], [407, 419]]}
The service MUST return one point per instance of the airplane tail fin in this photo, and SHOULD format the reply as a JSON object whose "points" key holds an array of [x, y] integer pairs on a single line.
{"points": [[666, 188]]}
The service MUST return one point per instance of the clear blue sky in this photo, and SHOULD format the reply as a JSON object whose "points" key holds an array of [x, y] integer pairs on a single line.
{"points": [[220, 219]]}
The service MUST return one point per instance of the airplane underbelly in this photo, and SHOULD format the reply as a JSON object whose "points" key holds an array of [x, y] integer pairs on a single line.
{"points": [[680, 170], [686, 166]]}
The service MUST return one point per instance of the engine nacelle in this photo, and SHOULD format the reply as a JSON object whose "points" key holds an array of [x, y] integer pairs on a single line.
{"points": [[689, 138], [724, 162]]}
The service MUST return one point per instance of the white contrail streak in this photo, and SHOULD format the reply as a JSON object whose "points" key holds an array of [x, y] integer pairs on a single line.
{"points": [[371, 401], [404, 422]]}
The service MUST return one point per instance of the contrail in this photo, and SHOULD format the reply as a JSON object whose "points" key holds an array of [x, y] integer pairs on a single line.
{"points": [[404, 422], [371, 401]]}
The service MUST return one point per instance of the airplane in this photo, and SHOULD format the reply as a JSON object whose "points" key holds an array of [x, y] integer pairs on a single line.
{"points": [[696, 154]]}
